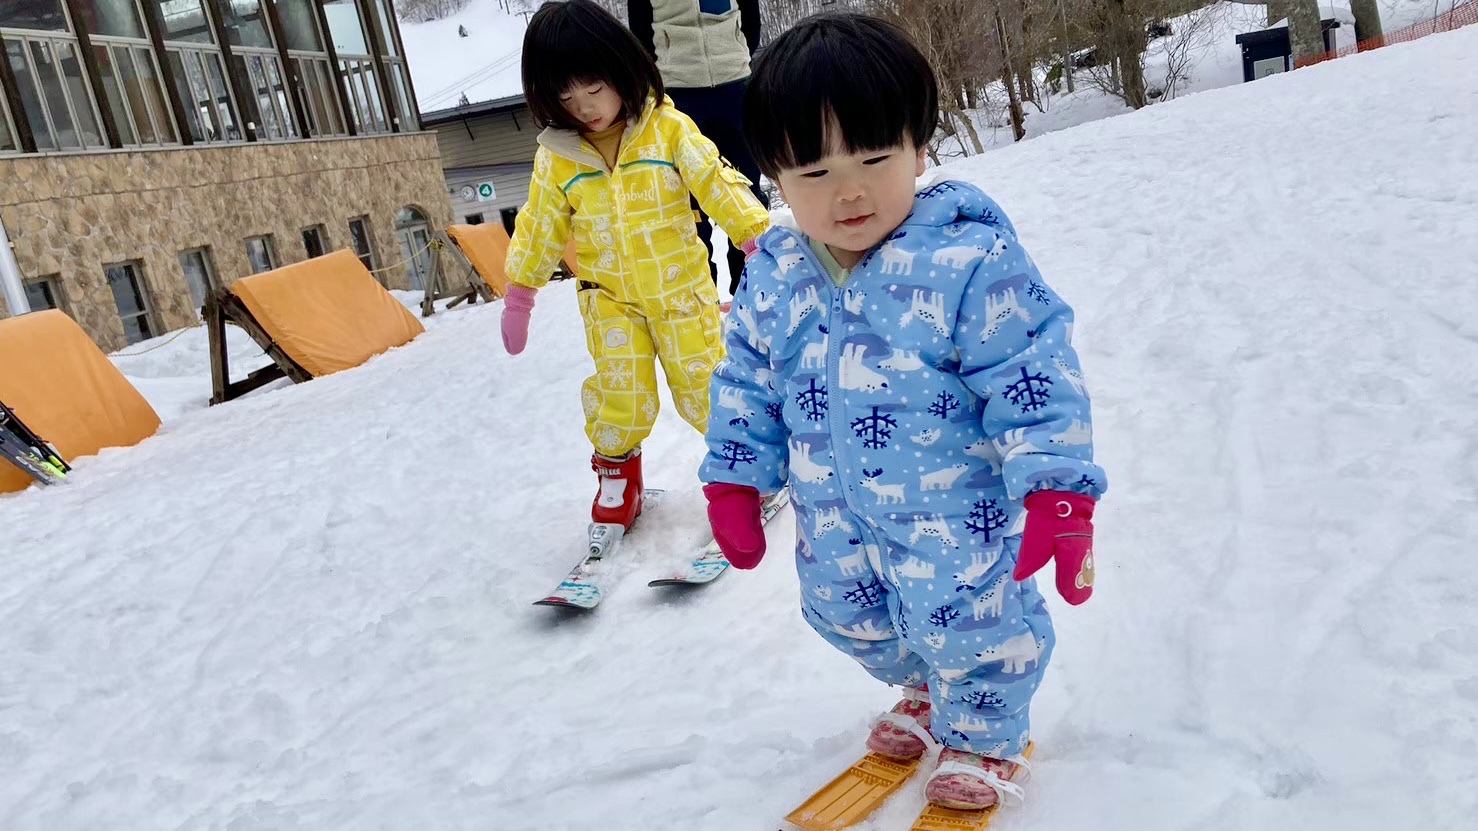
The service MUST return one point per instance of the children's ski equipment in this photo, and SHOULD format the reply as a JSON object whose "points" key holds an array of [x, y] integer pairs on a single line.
{"points": [[862, 788], [20, 446], [581, 589], [710, 562]]}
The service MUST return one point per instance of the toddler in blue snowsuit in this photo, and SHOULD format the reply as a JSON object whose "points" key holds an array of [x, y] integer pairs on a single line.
{"points": [[900, 363]]}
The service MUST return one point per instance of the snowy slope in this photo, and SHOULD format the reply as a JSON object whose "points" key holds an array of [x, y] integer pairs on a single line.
{"points": [[1205, 40], [484, 66], [309, 609]]}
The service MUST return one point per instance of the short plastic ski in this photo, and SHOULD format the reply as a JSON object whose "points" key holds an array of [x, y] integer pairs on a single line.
{"points": [[852, 797], [581, 588], [936, 818], [710, 562]]}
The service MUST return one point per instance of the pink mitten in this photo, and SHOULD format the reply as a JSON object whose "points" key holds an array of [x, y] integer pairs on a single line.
{"points": [[734, 515], [749, 247], [516, 308], [1060, 525]]}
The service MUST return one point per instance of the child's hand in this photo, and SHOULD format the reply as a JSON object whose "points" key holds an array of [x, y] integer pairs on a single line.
{"points": [[1060, 525], [516, 308], [734, 515]]}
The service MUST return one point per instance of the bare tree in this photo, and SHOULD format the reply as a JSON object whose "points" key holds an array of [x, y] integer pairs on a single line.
{"points": [[1305, 30], [1367, 22], [422, 11], [1194, 34]]}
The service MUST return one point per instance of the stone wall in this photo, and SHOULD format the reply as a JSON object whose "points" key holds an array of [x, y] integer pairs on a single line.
{"points": [[69, 215]]}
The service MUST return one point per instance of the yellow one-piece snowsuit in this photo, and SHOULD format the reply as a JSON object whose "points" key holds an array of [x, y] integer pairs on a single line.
{"points": [[644, 285]]}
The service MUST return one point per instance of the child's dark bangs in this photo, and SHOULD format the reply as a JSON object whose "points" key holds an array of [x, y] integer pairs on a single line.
{"points": [[566, 58], [856, 83]]}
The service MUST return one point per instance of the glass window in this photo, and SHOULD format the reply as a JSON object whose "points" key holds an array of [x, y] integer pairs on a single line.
{"points": [[46, 15], [15, 53], [359, 238], [384, 12], [112, 18], [43, 293], [131, 299], [409, 120], [8, 141], [260, 252], [110, 72], [88, 132], [151, 89], [245, 24], [510, 219], [345, 28], [473, 219], [299, 25], [133, 90], [313, 241], [199, 275], [185, 21], [53, 93], [316, 84]]}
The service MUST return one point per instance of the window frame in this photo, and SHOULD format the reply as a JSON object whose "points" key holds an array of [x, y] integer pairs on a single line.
{"points": [[52, 40], [129, 46], [322, 233], [207, 263], [7, 123], [135, 270], [369, 243], [51, 284], [270, 245]]}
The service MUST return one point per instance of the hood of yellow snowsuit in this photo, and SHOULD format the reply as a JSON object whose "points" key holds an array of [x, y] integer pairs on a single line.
{"points": [[633, 225]]}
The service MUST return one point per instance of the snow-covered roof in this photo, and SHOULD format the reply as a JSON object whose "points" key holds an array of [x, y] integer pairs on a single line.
{"points": [[484, 66]]}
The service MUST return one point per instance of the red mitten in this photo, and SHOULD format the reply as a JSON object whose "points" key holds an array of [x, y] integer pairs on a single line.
{"points": [[734, 516], [1060, 525]]}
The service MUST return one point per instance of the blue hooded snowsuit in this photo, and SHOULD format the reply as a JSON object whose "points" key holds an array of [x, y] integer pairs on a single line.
{"points": [[910, 412]]}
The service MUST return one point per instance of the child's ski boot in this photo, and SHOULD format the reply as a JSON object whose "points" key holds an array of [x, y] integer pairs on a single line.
{"points": [[903, 732], [619, 499], [970, 782]]}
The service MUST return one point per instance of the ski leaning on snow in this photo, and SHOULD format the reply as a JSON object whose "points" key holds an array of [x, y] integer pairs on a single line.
{"points": [[28, 451], [710, 562], [581, 588], [862, 788]]}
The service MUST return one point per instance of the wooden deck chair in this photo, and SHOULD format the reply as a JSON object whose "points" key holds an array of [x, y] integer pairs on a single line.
{"points": [[464, 290], [312, 318], [485, 247]]}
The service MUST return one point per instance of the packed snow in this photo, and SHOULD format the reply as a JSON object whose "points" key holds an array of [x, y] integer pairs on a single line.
{"points": [[309, 608], [484, 65]]}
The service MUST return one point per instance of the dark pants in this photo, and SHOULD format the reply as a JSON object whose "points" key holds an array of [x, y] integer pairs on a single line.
{"points": [[719, 113]]}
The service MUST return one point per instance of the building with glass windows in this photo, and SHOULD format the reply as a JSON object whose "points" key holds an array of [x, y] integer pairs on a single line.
{"points": [[151, 150]]}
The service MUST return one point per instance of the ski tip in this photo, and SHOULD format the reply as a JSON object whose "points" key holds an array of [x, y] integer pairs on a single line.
{"points": [[564, 603]]}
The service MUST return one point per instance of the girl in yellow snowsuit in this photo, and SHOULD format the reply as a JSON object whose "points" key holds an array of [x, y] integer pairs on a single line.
{"points": [[615, 167]]}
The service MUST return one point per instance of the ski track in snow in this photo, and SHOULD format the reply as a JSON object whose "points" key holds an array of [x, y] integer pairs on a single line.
{"points": [[308, 609]]}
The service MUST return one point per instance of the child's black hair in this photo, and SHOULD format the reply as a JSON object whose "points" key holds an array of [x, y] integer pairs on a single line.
{"points": [[575, 41], [837, 70]]}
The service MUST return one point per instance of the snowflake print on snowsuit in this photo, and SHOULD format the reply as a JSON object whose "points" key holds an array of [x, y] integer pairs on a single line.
{"points": [[910, 412], [644, 287]]}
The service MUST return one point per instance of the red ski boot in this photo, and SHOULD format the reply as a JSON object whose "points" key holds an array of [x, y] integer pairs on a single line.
{"points": [[619, 499]]}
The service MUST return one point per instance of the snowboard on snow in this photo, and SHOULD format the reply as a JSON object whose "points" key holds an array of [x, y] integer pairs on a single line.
{"points": [[862, 788]]}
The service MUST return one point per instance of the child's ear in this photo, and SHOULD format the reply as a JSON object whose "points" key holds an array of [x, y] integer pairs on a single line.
{"points": [[919, 167]]}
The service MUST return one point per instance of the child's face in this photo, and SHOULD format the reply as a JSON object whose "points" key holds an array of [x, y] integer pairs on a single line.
{"points": [[592, 103], [852, 201]]}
